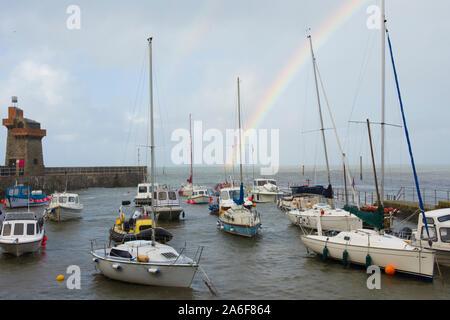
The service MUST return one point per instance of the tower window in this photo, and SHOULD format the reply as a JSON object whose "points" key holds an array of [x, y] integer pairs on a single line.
{"points": [[35, 161]]}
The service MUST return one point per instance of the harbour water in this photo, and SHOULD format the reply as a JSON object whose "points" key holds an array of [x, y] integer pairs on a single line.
{"points": [[273, 265]]}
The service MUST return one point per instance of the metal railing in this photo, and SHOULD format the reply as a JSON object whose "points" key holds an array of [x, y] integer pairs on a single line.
{"points": [[430, 196]]}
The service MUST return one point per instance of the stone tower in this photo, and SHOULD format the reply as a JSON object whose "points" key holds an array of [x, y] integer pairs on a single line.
{"points": [[24, 143]]}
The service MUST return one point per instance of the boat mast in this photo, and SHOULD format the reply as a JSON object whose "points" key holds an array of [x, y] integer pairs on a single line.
{"points": [[239, 120], [320, 110], [152, 146], [383, 95]]}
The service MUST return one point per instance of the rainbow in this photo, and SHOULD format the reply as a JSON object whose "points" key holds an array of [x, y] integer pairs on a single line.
{"points": [[300, 57]]}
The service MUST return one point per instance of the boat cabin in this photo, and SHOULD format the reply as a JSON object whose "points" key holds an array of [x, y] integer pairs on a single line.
{"points": [[19, 191], [20, 225], [144, 190], [438, 222], [65, 198], [166, 197], [262, 182], [200, 192]]}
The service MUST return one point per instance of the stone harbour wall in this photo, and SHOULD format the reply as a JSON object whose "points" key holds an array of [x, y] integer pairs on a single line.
{"points": [[50, 183]]}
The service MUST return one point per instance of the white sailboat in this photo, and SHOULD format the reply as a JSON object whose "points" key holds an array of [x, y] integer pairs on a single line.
{"points": [[373, 247], [238, 219], [332, 218], [147, 262]]}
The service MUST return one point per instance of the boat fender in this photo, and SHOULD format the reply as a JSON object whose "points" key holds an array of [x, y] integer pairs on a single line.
{"points": [[368, 260], [95, 260], [324, 253], [116, 266], [222, 227], [217, 223], [143, 258], [345, 257], [390, 270], [232, 229], [153, 270]]}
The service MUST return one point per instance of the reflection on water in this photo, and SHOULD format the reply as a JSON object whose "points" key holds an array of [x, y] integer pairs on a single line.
{"points": [[273, 265]]}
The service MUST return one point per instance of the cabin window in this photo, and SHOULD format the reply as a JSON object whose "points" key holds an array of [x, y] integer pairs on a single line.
{"points": [[71, 199], [172, 195], [18, 229], [432, 231], [201, 192], [261, 183], [444, 218], [30, 229], [6, 229], [142, 189], [25, 191], [445, 234], [162, 196], [62, 199], [120, 253], [430, 221]]}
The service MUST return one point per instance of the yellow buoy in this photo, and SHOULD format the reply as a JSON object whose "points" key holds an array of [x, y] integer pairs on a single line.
{"points": [[60, 277], [390, 270]]}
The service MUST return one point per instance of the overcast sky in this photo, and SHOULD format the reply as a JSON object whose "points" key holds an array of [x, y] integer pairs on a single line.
{"points": [[89, 87]]}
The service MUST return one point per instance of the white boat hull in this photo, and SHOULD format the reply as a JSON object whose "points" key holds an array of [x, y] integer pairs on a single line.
{"points": [[19, 249], [168, 275], [200, 199], [62, 214], [260, 197], [419, 263], [168, 213]]}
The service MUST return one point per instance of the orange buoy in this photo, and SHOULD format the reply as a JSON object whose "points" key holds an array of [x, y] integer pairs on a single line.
{"points": [[390, 270]]}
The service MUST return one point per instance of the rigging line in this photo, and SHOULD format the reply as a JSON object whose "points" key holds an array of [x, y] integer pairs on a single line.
{"points": [[416, 180], [336, 134], [140, 83], [365, 62], [157, 91]]}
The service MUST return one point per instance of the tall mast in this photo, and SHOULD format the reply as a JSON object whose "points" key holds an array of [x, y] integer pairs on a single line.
{"points": [[320, 110], [152, 146], [239, 120], [190, 133], [383, 95]]}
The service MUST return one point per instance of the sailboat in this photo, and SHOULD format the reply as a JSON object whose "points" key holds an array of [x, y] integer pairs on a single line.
{"points": [[331, 218], [374, 247], [147, 262], [238, 219], [186, 189]]}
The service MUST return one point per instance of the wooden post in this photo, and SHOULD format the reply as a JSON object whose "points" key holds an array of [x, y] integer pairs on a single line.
{"points": [[360, 167]]}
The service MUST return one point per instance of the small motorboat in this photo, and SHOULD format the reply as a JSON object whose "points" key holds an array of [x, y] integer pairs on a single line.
{"points": [[438, 222], [63, 206], [265, 190], [200, 195], [21, 196], [22, 232], [137, 227], [167, 204], [144, 194]]}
